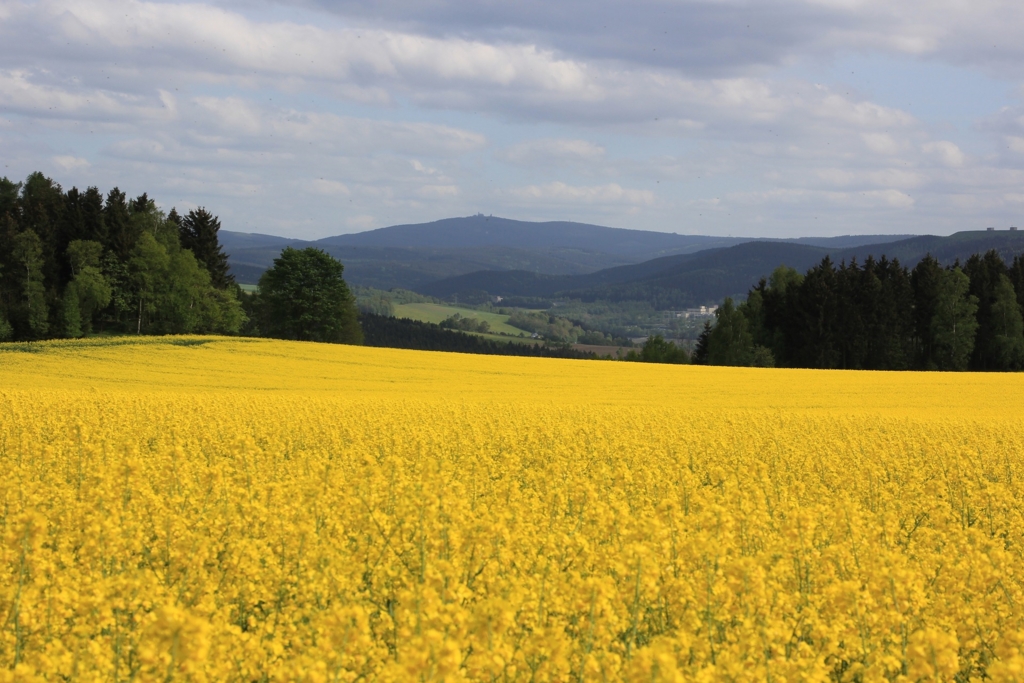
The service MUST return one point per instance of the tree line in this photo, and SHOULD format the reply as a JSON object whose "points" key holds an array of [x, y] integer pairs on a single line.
{"points": [[878, 315], [74, 263]]}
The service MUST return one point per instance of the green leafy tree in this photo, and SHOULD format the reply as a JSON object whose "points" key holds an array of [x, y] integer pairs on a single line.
{"points": [[657, 350], [147, 267], [173, 294], [88, 285], [1008, 327], [730, 342], [84, 254], [955, 322], [304, 297], [116, 273], [70, 316], [28, 254]]}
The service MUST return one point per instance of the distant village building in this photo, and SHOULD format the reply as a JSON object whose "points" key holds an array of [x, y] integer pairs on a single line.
{"points": [[702, 312]]}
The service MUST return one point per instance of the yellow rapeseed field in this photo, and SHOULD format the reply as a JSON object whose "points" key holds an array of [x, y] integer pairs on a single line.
{"points": [[204, 509]]}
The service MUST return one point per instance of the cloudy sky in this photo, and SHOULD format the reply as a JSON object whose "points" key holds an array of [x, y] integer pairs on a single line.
{"points": [[722, 117]]}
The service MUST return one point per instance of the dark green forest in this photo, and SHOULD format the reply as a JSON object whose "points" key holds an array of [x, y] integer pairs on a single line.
{"points": [[877, 316], [74, 263]]}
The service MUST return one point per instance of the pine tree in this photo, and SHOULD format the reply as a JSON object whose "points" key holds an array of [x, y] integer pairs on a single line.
{"points": [[121, 236], [93, 225], [813, 331], [984, 273], [925, 279], [700, 352], [198, 233]]}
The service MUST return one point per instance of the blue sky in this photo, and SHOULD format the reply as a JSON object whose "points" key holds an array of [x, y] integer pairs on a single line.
{"points": [[723, 117]]}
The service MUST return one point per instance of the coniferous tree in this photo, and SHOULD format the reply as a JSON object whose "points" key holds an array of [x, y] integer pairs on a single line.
{"points": [[984, 273], [6, 331], [925, 280], [814, 330], [1016, 274], [10, 193], [93, 224], [198, 232], [42, 207], [700, 351], [777, 295], [72, 225], [121, 234]]}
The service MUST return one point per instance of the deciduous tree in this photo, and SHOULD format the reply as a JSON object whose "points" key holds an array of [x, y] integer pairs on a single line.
{"points": [[304, 297]]}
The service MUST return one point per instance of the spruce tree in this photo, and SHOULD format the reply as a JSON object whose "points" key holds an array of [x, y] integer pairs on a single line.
{"points": [[985, 273], [700, 351], [93, 225], [198, 233], [121, 236], [924, 280]]}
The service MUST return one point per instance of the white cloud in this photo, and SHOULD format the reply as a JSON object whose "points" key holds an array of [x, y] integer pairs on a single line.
{"points": [[883, 143], [949, 153], [553, 151], [559, 192], [70, 163], [437, 191], [1015, 142], [330, 187]]}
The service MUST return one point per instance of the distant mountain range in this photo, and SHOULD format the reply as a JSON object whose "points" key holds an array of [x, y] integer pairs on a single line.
{"points": [[709, 276], [476, 256], [415, 256]]}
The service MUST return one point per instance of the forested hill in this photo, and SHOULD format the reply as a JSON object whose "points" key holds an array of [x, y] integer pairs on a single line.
{"points": [[76, 262], [707, 277], [414, 256], [492, 231]]}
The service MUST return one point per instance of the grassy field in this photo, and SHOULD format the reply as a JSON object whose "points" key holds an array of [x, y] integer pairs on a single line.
{"points": [[227, 509], [435, 313]]}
